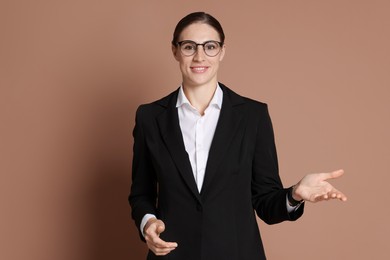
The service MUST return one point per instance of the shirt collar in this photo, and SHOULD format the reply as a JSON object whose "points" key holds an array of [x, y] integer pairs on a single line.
{"points": [[216, 100]]}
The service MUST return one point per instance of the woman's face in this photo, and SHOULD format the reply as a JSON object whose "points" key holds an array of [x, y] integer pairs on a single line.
{"points": [[199, 69]]}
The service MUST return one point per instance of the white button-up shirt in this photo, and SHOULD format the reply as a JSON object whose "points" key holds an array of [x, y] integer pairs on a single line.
{"points": [[198, 131]]}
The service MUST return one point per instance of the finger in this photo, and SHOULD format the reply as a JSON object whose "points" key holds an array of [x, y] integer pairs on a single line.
{"points": [[336, 194], [323, 197], [160, 251], [157, 242], [162, 246], [342, 197]]}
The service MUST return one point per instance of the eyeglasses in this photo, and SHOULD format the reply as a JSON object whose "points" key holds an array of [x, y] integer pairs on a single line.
{"points": [[189, 48]]}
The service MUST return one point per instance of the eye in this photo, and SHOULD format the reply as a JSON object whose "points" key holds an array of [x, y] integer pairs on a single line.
{"points": [[188, 46], [211, 45]]}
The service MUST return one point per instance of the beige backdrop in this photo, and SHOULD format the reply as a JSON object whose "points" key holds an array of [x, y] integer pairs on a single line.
{"points": [[73, 73]]}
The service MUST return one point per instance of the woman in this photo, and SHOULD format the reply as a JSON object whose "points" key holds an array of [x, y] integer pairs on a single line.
{"points": [[205, 161]]}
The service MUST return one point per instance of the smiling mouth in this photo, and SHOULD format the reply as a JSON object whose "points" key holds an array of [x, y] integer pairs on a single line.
{"points": [[199, 69]]}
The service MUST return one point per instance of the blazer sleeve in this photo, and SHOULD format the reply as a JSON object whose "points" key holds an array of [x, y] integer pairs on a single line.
{"points": [[268, 194], [143, 191]]}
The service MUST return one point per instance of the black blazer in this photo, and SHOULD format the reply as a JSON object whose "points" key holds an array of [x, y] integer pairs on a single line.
{"points": [[241, 176]]}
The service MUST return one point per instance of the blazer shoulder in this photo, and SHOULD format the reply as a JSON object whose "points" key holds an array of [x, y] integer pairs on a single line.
{"points": [[255, 109], [158, 106], [256, 103], [237, 99]]}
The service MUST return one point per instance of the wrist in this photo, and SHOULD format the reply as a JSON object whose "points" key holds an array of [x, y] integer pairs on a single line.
{"points": [[294, 193], [293, 198]]}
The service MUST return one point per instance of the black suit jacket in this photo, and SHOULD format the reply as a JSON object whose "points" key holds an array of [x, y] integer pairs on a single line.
{"points": [[241, 176]]}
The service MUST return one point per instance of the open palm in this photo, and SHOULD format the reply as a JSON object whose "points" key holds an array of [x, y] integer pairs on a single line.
{"points": [[314, 187]]}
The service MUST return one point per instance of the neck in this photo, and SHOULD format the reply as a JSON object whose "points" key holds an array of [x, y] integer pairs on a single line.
{"points": [[200, 96]]}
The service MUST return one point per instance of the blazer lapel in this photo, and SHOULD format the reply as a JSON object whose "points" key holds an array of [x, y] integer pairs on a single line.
{"points": [[227, 126], [168, 123]]}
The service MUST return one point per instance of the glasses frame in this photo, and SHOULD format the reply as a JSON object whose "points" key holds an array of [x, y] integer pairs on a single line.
{"points": [[201, 44]]}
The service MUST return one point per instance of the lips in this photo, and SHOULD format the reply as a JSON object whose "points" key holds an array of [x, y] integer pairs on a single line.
{"points": [[199, 69]]}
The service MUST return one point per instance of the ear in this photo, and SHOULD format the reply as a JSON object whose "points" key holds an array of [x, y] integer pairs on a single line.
{"points": [[175, 52], [222, 54]]}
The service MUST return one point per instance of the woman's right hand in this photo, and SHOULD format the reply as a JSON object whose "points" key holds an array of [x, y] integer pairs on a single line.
{"points": [[152, 230]]}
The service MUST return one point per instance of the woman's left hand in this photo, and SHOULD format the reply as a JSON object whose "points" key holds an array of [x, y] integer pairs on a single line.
{"points": [[314, 187]]}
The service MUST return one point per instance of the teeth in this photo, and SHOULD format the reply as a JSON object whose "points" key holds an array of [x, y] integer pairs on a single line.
{"points": [[200, 68]]}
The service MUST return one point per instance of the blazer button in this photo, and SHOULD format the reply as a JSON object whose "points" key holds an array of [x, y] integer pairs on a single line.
{"points": [[199, 207]]}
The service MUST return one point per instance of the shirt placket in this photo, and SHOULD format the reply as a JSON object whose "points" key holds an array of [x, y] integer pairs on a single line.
{"points": [[199, 136]]}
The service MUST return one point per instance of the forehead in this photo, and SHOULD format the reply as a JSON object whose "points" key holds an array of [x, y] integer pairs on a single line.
{"points": [[199, 32]]}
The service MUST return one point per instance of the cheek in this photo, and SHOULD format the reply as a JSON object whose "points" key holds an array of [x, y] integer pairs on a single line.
{"points": [[184, 63], [217, 62], [183, 67]]}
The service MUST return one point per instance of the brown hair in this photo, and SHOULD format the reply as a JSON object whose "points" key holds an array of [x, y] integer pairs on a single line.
{"points": [[197, 17]]}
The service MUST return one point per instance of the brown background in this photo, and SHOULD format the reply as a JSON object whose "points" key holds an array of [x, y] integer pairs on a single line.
{"points": [[73, 73]]}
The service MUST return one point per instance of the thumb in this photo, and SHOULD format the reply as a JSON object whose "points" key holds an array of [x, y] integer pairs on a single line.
{"points": [[335, 174], [160, 227]]}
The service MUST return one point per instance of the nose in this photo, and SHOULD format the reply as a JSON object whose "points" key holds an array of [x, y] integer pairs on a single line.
{"points": [[199, 54]]}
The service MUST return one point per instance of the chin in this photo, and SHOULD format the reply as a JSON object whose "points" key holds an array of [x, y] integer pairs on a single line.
{"points": [[201, 80]]}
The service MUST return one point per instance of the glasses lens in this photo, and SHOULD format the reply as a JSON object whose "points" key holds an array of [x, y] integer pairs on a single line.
{"points": [[212, 48], [188, 48]]}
